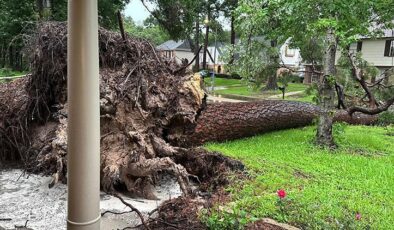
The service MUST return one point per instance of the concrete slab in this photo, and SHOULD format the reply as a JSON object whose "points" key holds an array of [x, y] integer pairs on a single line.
{"points": [[28, 197]]}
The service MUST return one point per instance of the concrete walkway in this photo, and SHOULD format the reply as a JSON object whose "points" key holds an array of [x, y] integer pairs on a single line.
{"points": [[279, 96], [215, 99]]}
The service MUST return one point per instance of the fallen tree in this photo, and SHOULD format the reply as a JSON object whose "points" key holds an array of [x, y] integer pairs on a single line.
{"points": [[228, 121], [150, 113]]}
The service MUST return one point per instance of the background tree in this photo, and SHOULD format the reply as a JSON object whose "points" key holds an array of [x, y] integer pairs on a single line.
{"points": [[16, 17], [338, 23], [150, 30], [258, 50]]}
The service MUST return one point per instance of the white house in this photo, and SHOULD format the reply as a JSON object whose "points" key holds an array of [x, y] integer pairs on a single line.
{"points": [[377, 51], [215, 57], [290, 57]]}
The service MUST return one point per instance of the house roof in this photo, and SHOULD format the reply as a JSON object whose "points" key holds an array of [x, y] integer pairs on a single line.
{"points": [[219, 47], [175, 45], [386, 33]]}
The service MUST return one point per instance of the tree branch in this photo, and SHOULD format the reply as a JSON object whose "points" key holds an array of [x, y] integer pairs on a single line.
{"points": [[373, 111], [358, 76]]}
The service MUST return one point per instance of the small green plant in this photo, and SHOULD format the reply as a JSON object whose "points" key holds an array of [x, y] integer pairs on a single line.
{"points": [[5, 72], [386, 118], [226, 218]]}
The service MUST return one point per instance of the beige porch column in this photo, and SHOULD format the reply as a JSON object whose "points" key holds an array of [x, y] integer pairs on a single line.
{"points": [[83, 116]]}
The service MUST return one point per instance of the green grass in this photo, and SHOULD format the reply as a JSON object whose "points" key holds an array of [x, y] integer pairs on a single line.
{"points": [[325, 189], [10, 73], [293, 87], [302, 97], [223, 82], [238, 90], [238, 87]]}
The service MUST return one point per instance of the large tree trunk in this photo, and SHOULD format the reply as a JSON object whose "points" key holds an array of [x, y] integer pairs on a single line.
{"points": [[327, 94], [11, 57], [272, 82], [228, 121]]}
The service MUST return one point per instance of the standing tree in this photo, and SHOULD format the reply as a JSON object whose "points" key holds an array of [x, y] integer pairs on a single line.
{"points": [[150, 30], [180, 19], [258, 53], [16, 17], [339, 23]]}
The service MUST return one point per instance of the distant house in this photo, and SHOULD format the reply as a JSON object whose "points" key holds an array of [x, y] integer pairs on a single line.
{"points": [[215, 58], [290, 57], [176, 50], [181, 50], [377, 51]]}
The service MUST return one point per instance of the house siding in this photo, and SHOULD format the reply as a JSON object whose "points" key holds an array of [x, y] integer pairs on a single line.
{"points": [[180, 54], [373, 52], [290, 61]]}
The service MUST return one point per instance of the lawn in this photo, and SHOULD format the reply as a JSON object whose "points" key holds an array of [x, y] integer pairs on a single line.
{"points": [[238, 87], [10, 73], [223, 82], [325, 190]]}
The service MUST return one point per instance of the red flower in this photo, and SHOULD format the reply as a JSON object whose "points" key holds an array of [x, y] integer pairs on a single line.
{"points": [[281, 193], [358, 216]]}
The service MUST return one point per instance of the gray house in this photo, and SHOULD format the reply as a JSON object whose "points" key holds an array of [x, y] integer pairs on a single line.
{"points": [[176, 50]]}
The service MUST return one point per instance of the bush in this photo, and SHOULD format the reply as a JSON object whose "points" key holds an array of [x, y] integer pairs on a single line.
{"points": [[5, 72], [386, 118]]}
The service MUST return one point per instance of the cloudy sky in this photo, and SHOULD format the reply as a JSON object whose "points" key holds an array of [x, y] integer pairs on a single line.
{"points": [[137, 11]]}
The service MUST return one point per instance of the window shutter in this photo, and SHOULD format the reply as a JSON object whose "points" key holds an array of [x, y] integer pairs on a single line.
{"points": [[387, 48], [359, 46]]}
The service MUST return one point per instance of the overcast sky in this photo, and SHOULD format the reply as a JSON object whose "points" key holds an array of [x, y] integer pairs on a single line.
{"points": [[137, 11]]}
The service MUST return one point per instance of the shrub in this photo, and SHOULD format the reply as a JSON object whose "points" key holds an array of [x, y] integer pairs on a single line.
{"points": [[386, 118]]}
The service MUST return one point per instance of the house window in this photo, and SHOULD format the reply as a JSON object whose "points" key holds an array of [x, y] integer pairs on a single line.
{"points": [[389, 48], [289, 52]]}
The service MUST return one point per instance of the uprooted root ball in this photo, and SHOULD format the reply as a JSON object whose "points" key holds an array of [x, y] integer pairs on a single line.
{"points": [[141, 99]]}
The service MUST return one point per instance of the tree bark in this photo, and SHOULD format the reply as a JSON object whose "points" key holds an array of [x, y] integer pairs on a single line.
{"points": [[327, 94], [204, 60], [40, 8], [11, 57], [197, 49], [121, 27], [232, 38], [272, 82], [2, 55], [228, 121]]}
